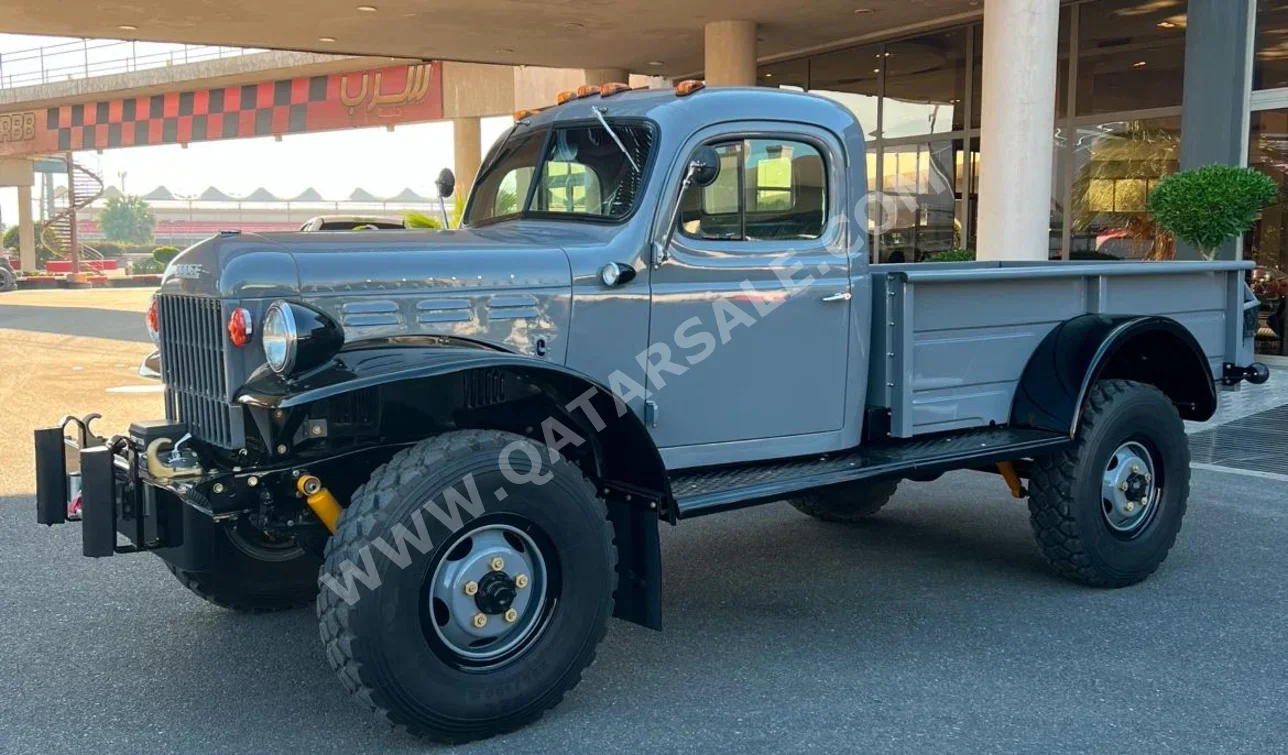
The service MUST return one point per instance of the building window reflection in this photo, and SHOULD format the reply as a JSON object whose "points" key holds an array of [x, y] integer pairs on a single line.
{"points": [[1270, 63], [1267, 244], [1131, 55], [852, 78], [919, 205], [1116, 166], [925, 85]]}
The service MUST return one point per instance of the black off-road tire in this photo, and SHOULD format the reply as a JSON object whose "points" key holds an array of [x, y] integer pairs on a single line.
{"points": [[1065, 501], [846, 503], [8, 281], [287, 578], [378, 645]]}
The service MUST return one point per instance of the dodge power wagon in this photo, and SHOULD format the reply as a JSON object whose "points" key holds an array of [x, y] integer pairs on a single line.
{"points": [[660, 305]]}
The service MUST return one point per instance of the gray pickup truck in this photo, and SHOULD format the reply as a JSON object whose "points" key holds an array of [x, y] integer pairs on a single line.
{"points": [[661, 305]]}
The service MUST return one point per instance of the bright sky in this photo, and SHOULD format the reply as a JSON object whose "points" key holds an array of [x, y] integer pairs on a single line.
{"points": [[335, 163]]}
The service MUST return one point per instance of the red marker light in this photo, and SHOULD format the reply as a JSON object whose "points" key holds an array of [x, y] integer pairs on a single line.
{"points": [[154, 322], [240, 328]]}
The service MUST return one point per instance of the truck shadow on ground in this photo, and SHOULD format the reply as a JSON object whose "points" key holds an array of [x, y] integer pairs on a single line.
{"points": [[736, 584]]}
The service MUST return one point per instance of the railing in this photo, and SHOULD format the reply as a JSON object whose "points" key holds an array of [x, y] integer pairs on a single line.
{"points": [[84, 58]]}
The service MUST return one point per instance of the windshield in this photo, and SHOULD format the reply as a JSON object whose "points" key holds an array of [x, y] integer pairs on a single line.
{"points": [[581, 172]]}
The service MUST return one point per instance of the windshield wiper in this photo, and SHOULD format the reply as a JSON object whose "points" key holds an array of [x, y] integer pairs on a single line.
{"points": [[599, 114]]}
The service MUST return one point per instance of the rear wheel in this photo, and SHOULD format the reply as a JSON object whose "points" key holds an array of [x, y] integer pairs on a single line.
{"points": [[256, 574], [1107, 511], [496, 600], [846, 503], [8, 281]]}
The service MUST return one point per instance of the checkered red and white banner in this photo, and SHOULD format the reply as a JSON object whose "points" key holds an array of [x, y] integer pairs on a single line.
{"points": [[398, 94]]}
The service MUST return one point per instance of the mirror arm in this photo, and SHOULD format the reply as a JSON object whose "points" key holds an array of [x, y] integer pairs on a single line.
{"points": [[442, 207], [660, 251]]}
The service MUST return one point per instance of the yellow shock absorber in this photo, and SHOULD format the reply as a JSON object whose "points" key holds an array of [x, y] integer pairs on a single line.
{"points": [[1012, 479], [320, 500]]}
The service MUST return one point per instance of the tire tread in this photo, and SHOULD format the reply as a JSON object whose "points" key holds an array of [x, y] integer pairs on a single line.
{"points": [[1052, 513], [353, 531]]}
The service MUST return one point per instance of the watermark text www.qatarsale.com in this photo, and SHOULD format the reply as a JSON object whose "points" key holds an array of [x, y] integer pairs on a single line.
{"points": [[692, 342]]}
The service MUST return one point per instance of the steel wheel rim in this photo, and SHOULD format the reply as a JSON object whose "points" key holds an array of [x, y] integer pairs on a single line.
{"points": [[466, 584], [1130, 488]]}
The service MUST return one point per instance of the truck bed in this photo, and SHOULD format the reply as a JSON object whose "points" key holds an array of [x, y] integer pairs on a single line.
{"points": [[950, 340]]}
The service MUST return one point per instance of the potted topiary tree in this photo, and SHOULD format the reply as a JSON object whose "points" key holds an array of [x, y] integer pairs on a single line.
{"points": [[1208, 206]]}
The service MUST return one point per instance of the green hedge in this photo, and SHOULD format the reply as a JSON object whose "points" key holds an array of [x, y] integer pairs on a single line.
{"points": [[164, 254], [953, 255]]}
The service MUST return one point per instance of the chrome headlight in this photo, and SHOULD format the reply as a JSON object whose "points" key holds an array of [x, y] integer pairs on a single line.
{"points": [[280, 338], [297, 338]]}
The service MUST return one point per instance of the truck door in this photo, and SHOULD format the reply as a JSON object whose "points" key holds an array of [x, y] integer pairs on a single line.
{"points": [[750, 310]]}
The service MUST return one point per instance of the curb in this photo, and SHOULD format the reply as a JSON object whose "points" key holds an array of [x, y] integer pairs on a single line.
{"points": [[38, 282]]}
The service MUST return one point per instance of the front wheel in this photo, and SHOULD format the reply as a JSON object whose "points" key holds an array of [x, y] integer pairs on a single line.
{"points": [[8, 281], [459, 601], [1107, 511]]}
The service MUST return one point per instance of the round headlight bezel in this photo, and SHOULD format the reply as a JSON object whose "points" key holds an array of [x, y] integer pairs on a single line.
{"points": [[280, 329]]}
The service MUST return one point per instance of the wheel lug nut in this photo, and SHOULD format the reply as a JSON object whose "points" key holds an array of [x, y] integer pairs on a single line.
{"points": [[1129, 507], [1122, 486], [511, 616], [480, 620], [471, 588], [521, 581], [498, 564], [1147, 478]]}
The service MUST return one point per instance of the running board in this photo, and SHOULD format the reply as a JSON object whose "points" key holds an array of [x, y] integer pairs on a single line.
{"points": [[698, 492]]}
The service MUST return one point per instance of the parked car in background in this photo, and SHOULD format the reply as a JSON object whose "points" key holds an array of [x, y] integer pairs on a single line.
{"points": [[8, 281], [351, 223]]}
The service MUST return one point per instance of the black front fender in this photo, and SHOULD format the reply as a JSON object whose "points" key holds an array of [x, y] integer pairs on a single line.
{"points": [[1150, 349], [627, 463], [628, 449]]}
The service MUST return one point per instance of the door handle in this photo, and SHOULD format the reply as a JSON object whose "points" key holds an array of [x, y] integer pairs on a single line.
{"points": [[843, 296]]}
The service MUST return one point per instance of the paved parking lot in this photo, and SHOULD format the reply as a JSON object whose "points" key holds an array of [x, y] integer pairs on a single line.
{"points": [[934, 628]]}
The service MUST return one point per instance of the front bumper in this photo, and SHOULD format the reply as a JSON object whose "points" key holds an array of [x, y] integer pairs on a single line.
{"points": [[117, 496]]}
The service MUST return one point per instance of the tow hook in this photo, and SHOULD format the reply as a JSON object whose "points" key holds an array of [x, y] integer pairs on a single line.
{"points": [[1255, 373], [178, 462], [321, 500]]}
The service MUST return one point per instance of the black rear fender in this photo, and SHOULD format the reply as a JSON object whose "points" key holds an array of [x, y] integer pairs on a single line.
{"points": [[1148, 349]]}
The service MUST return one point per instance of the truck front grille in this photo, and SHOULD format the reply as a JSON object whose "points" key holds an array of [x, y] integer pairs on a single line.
{"points": [[194, 370]]}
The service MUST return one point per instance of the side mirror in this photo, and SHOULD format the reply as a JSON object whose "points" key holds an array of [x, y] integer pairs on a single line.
{"points": [[702, 171], [705, 166], [446, 183]]}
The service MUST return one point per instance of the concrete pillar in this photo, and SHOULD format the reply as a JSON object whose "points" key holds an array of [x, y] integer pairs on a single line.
{"points": [[1219, 42], [1016, 129], [26, 231], [467, 154], [730, 50], [606, 75]]}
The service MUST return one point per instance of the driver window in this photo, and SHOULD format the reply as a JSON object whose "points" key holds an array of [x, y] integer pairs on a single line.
{"points": [[767, 190]]}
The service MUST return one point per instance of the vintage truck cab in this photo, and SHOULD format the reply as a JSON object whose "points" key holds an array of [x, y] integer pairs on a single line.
{"points": [[661, 304]]}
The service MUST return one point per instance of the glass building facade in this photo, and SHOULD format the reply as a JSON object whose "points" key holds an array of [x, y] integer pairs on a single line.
{"points": [[1117, 116], [1119, 85]]}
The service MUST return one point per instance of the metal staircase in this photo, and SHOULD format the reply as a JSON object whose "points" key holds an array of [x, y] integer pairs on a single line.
{"points": [[60, 232]]}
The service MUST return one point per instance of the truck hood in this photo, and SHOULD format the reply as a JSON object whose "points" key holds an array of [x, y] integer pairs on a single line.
{"points": [[305, 265]]}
